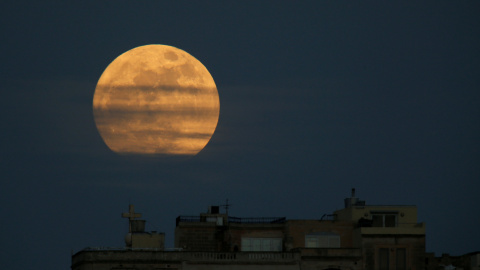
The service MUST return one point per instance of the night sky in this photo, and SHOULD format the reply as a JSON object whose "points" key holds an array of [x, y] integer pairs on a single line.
{"points": [[316, 98]]}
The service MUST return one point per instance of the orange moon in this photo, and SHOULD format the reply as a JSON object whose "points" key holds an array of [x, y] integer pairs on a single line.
{"points": [[156, 100]]}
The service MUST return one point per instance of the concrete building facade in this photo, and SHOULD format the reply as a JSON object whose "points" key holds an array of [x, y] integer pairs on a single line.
{"points": [[359, 236]]}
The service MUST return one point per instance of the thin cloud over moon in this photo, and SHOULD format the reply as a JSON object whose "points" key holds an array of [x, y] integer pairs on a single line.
{"points": [[156, 100]]}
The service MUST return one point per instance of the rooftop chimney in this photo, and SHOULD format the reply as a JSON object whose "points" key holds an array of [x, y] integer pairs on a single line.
{"points": [[353, 201], [349, 202]]}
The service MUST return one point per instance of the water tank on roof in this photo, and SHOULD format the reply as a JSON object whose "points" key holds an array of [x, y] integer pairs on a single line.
{"points": [[128, 239], [214, 209], [350, 202], [138, 225]]}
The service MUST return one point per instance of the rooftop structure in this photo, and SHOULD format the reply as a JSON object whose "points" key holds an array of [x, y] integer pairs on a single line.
{"points": [[359, 236]]}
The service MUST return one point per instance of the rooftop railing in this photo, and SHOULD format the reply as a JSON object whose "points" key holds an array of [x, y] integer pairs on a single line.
{"points": [[240, 256], [187, 219], [257, 220], [369, 223], [105, 253], [237, 220]]}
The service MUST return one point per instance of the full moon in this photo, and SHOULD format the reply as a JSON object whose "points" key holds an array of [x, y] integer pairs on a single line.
{"points": [[156, 100]]}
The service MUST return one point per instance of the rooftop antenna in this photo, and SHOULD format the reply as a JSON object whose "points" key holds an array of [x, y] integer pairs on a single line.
{"points": [[226, 205], [131, 215]]}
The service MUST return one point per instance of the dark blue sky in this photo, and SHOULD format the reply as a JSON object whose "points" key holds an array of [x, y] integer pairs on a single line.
{"points": [[316, 98]]}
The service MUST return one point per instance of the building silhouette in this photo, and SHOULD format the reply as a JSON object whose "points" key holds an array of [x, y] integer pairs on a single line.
{"points": [[359, 236]]}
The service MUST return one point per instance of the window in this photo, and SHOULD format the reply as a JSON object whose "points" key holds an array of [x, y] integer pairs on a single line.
{"points": [[384, 219], [261, 244], [322, 240]]}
